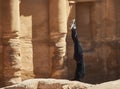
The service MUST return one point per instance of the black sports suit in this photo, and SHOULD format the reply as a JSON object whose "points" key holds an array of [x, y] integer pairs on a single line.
{"points": [[78, 56]]}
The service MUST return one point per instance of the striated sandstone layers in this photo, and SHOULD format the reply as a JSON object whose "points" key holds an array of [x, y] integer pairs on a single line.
{"points": [[35, 39], [58, 31], [11, 43], [62, 84]]}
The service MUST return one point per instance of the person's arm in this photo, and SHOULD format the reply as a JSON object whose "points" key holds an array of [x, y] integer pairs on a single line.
{"points": [[74, 32], [74, 36]]}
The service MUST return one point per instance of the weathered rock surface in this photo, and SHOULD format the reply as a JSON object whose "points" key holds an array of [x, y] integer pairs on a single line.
{"points": [[62, 84], [35, 39], [48, 84], [107, 85]]}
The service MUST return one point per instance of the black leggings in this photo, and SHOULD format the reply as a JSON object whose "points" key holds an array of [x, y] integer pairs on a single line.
{"points": [[78, 56]]}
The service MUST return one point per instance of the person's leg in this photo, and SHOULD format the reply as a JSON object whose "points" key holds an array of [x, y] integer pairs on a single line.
{"points": [[76, 77], [80, 71], [78, 55]]}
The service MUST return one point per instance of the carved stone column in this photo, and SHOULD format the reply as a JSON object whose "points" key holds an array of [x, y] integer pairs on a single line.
{"points": [[58, 30], [11, 42]]}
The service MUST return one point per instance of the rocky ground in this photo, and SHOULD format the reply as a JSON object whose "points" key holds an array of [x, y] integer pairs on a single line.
{"points": [[62, 84]]}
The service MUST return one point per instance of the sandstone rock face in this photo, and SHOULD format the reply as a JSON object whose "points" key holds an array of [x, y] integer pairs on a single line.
{"points": [[99, 38], [35, 39], [1, 49], [62, 84], [11, 42], [107, 85], [58, 31], [48, 84]]}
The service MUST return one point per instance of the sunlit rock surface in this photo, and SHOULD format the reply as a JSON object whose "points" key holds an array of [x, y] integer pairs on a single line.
{"points": [[62, 84], [35, 39]]}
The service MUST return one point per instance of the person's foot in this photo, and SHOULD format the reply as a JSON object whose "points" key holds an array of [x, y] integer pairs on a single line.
{"points": [[73, 25], [76, 80]]}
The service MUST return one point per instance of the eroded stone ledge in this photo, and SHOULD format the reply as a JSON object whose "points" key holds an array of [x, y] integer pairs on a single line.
{"points": [[62, 84], [48, 84]]}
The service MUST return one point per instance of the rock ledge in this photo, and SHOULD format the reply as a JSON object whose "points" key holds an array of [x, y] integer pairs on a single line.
{"points": [[62, 84]]}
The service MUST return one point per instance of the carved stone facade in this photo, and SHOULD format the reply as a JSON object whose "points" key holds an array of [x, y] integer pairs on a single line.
{"points": [[98, 29], [35, 39]]}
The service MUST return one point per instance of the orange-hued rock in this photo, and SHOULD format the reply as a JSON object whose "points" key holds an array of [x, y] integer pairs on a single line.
{"points": [[35, 39], [11, 43], [62, 84], [49, 84]]}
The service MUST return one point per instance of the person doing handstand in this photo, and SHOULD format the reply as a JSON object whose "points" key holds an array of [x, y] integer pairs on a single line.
{"points": [[78, 54]]}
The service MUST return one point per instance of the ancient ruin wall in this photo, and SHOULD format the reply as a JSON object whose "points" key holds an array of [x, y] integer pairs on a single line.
{"points": [[43, 39], [35, 38], [98, 34], [1, 50]]}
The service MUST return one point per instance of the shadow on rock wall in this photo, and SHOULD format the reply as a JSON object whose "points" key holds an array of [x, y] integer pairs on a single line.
{"points": [[37, 10]]}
